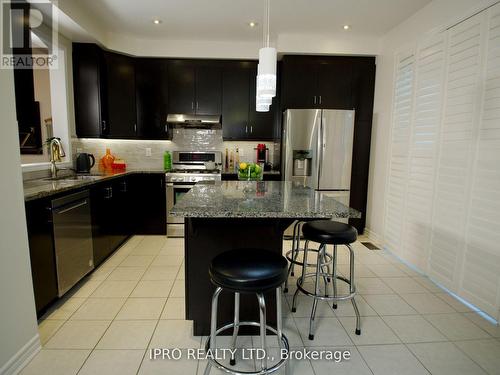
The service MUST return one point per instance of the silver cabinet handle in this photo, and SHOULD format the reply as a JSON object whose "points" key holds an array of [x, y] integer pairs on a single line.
{"points": [[103, 125], [192, 105], [320, 99], [251, 128], [314, 99], [135, 128], [246, 128], [109, 191], [197, 105]]}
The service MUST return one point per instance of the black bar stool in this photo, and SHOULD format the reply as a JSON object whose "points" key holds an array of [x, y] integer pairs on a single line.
{"points": [[247, 271], [293, 254], [328, 233]]}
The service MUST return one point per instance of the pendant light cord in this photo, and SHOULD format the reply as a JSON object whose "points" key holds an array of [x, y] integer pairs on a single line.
{"points": [[265, 30]]}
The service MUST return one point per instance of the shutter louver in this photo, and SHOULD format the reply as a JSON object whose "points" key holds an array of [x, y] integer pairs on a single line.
{"points": [[400, 136]]}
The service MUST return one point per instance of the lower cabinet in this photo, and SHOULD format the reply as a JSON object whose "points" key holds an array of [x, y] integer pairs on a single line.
{"points": [[43, 260], [120, 207]]}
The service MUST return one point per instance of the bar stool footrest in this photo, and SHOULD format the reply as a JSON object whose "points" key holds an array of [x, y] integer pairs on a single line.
{"points": [[343, 297], [289, 256]]}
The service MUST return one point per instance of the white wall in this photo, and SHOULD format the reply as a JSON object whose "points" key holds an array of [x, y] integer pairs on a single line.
{"points": [[18, 326], [438, 15]]}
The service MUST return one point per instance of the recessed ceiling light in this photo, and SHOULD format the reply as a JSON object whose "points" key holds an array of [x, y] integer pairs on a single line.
{"points": [[347, 27], [156, 21], [252, 24]]}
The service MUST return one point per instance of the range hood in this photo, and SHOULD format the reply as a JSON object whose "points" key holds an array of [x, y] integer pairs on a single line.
{"points": [[194, 121]]}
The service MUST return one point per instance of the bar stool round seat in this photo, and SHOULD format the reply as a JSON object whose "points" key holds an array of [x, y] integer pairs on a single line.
{"points": [[327, 233], [248, 270], [330, 232]]}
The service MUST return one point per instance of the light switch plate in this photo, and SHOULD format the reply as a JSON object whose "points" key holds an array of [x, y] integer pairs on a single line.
{"points": [[148, 151]]}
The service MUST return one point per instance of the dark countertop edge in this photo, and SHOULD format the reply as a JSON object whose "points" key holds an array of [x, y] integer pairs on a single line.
{"points": [[85, 183]]}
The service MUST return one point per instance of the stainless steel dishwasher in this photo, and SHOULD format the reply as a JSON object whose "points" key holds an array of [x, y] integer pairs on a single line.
{"points": [[72, 239]]}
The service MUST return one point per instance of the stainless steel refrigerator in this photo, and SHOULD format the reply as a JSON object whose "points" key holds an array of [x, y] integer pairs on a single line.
{"points": [[317, 150]]}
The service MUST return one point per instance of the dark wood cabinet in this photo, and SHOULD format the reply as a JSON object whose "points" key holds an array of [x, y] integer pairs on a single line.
{"points": [[299, 83], [181, 87], [120, 95], [101, 196], [194, 88], [333, 84], [235, 100], [316, 82], [240, 120], [88, 62], [151, 81], [150, 206], [41, 244], [208, 90], [261, 125]]}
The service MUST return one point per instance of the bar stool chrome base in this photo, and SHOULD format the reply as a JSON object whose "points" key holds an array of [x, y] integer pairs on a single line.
{"points": [[325, 297], [282, 339], [292, 255]]}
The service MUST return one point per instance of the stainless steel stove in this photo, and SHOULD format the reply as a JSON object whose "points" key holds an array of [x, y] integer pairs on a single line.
{"points": [[188, 168]]}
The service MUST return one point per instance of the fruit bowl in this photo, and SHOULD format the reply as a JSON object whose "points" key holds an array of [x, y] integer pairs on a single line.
{"points": [[250, 171]]}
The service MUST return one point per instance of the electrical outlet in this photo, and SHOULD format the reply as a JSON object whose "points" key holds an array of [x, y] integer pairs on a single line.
{"points": [[79, 150], [148, 151]]}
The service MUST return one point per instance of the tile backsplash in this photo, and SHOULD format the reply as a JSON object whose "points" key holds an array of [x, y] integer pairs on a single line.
{"points": [[136, 152]]}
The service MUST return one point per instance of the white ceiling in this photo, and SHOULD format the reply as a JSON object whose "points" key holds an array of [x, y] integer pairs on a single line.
{"points": [[227, 19]]}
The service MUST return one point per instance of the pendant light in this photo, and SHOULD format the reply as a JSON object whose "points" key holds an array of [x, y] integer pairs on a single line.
{"points": [[266, 70]]}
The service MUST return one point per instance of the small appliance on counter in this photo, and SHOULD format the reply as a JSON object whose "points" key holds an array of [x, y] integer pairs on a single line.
{"points": [[84, 162]]}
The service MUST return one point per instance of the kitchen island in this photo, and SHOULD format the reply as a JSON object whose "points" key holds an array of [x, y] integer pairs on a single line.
{"points": [[241, 215]]}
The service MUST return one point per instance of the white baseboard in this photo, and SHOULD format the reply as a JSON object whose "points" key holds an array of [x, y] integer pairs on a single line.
{"points": [[374, 237], [17, 362]]}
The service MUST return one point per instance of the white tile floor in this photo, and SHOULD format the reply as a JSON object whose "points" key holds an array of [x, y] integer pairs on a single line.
{"points": [[135, 301]]}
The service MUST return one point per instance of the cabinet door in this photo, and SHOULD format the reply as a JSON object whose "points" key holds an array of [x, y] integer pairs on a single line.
{"points": [[101, 196], [151, 76], [119, 215], [181, 87], [42, 255], [235, 101], [208, 90], [87, 65], [299, 85], [150, 208], [363, 86], [261, 125], [334, 84], [120, 95]]}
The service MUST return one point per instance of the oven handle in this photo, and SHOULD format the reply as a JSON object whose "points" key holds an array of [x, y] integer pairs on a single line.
{"points": [[183, 186], [170, 197]]}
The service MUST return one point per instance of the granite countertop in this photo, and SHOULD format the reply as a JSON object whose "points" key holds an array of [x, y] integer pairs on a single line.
{"points": [[264, 199], [265, 172], [41, 188]]}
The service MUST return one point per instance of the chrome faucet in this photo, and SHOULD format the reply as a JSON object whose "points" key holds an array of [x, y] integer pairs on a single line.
{"points": [[56, 152]]}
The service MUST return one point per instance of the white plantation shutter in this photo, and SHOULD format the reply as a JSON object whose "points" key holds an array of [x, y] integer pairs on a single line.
{"points": [[481, 271], [422, 148], [400, 137], [456, 151], [443, 193]]}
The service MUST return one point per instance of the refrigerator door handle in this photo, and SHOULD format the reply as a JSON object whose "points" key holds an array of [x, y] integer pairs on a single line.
{"points": [[320, 149]]}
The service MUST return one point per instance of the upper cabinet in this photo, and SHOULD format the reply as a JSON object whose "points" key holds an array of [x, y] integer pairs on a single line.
{"points": [[240, 120], [120, 95], [317, 82], [88, 63], [104, 88], [194, 88], [151, 83]]}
